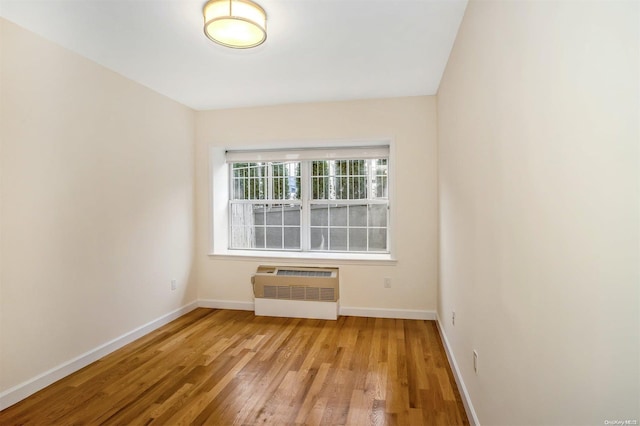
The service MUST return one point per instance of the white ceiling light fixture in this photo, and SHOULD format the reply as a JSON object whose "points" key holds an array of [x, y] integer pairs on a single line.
{"points": [[239, 24]]}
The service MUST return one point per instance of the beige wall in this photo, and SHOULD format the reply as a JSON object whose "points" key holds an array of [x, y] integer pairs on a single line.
{"points": [[409, 122], [539, 209], [96, 213]]}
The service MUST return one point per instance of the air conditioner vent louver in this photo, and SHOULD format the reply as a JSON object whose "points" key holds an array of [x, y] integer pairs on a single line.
{"points": [[327, 294], [284, 292], [275, 285], [313, 293], [270, 292], [301, 273], [299, 293]]}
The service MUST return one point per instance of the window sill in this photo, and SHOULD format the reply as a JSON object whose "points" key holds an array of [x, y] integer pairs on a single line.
{"points": [[305, 257]]}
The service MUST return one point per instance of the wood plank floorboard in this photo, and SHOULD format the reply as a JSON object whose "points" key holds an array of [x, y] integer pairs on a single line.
{"points": [[220, 367]]}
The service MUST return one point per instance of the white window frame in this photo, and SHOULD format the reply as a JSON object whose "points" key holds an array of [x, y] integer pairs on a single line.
{"points": [[219, 206]]}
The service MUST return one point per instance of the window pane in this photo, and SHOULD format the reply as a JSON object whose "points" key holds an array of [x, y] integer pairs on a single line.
{"points": [[377, 239], [378, 215], [357, 167], [320, 188], [286, 181], [338, 215], [358, 215], [341, 173], [242, 215], [242, 236], [242, 226], [259, 238], [278, 189], [319, 237], [338, 239], [341, 188], [274, 215], [249, 181], [358, 188], [319, 215], [381, 187], [257, 181], [319, 180], [292, 238], [292, 187], [381, 181], [259, 212], [292, 215], [274, 237], [358, 181], [357, 239], [238, 189]]}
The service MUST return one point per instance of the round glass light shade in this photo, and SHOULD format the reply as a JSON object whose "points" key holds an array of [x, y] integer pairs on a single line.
{"points": [[235, 23]]}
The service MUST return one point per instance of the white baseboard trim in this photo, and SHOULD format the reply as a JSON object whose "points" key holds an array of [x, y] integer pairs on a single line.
{"points": [[23, 390], [235, 305], [388, 313], [343, 310], [466, 400]]}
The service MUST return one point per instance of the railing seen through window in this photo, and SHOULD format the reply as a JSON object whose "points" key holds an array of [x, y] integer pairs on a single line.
{"points": [[317, 205]]}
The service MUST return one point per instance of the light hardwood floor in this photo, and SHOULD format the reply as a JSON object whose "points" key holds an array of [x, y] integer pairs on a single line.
{"points": [[223, 367]]}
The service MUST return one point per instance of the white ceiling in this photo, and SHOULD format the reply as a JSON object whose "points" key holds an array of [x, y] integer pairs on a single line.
{"points": [[316, 50]]}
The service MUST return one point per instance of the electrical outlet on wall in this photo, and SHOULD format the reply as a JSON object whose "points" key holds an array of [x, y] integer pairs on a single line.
{"points": [[475, 361], [174, 285], [387, 282], [453, 318]]}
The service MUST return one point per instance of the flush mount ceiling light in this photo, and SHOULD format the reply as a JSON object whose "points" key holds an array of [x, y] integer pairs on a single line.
{"points": [[235, 23]]}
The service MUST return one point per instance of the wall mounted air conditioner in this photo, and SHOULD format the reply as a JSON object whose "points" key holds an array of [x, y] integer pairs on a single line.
{"points": [[298, 292]]}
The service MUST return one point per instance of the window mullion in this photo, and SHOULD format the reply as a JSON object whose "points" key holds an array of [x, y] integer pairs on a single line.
{"points": [[305, 195], [371, 178], [269, 195]]}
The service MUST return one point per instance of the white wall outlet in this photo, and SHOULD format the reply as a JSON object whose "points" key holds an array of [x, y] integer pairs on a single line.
{"points": [[453, 318], [475, 361], [387, 282], [174, 285]]}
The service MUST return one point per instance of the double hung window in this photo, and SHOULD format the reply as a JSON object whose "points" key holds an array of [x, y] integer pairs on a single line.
{"points": [[315, 203]]}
